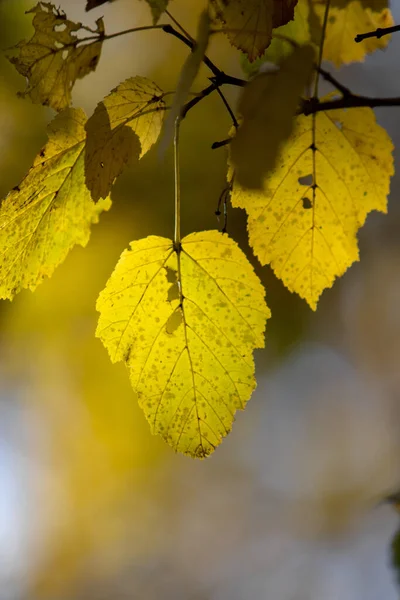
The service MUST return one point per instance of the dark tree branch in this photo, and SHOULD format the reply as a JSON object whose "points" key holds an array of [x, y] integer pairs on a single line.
{"points": [[313, 105], [378, 33]]}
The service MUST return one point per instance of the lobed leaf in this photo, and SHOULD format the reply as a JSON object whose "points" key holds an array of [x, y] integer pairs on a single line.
{"points": [[306, 228], [186, 324], [248, 24], [123, 127], [52, 60], [268, 106], [50, 211]]}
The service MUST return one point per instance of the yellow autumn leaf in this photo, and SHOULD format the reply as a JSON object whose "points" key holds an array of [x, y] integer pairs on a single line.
{"points": [[50, 211], [249, 23], [123, 127], [186, 324], [267, 120], [54, 58], [346, 19], [305, 229]]}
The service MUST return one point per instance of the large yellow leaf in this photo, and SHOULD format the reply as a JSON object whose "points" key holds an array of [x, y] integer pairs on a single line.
{"points": [[50, 211], [52, 60], [267, 119], [124, 126], [306, 230], [186, 324], [249, 23], [346, 19]]}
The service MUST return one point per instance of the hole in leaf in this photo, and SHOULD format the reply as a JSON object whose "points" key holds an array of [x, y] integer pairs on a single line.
{"points": [[338, 124], [307, 203], [58, 45], [60, 27], [65, 54], [306, 180]]}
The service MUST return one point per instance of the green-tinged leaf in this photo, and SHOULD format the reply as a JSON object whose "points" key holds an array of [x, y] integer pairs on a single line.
{"points": [[268, 106], [304, 228], [248, 24], [50, 211], [186, 324], [187, 76], [52, 60], [123, 127]]}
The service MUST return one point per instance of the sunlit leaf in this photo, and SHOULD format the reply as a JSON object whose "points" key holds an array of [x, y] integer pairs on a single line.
{"points": [[53, 59], [346, 19], [249, 23], [123, 127], [268, 106], [305, 229], [186, 324], [50, 211]]}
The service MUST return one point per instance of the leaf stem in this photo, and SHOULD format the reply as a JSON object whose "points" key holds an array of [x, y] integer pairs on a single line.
{"points": [[378, 33], [177, 232]]}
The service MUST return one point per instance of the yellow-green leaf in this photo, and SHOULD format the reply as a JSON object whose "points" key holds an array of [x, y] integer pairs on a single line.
{"points": [[186, 324], [53, 59], [346, 19], [50, 211], [268, 106], [123, 127], [305, 229], [249, 23]]}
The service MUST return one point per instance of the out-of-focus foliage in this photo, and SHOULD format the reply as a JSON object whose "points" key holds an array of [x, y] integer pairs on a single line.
{"points": [[186, 323], [267, 121]]}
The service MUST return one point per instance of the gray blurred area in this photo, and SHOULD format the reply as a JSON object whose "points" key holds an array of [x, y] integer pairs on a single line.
{"points": [[290, 507]]}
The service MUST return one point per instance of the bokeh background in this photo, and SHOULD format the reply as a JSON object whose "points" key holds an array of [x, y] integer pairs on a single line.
{"points": [[290, 506]]}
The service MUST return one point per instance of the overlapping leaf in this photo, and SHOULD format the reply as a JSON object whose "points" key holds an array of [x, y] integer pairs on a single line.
{"points": [[305, 229], [346, 19], [186, 325], [50, 211], [249, 23], [52, 60], [123, 127], [268, 105]]}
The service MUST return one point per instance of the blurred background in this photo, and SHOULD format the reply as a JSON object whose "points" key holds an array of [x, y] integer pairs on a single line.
{"points": [[290, 506]]}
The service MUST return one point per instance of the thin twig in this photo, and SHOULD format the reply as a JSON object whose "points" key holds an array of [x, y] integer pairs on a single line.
{"points": [[228, 108], [378, 33], [331, 79], [177, 231], [312, 105]]}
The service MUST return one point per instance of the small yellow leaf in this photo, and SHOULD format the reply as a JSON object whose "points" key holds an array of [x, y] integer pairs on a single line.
{"points": [[268, 106], [305, 229], [249, 23], [50, 211], [123, 127], [346, 19], [189, 355], [52, 60], [157, 8]]}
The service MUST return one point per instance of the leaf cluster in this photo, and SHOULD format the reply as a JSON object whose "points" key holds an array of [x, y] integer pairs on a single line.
{"points": [[185, 315]]}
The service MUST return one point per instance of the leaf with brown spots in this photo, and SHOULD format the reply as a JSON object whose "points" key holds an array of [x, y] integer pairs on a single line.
{"points": [[54, 58], [249, 23], [186, 324], [122, 129], [306, 229], [50, 211]]}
